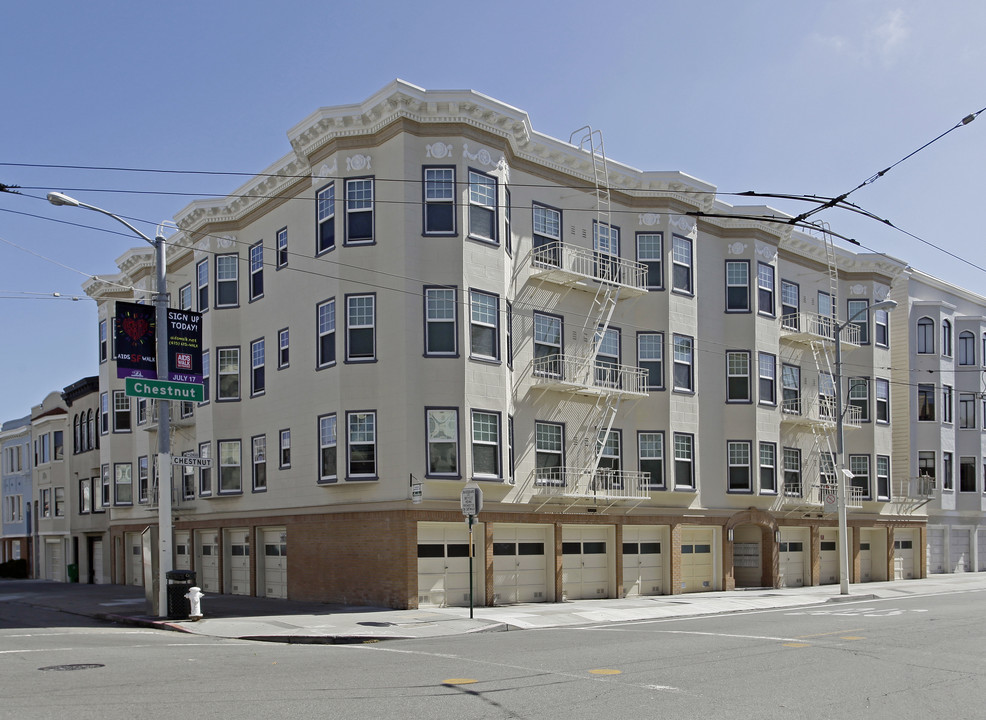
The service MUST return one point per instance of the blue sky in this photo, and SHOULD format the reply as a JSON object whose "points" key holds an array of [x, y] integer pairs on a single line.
{"points": [[773, 96]]}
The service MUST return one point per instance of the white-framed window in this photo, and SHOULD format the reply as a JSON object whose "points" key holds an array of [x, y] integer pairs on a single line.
{"points": [[548, 345], [926, 402], [439, 201], [765, 289], [361, 444], [484, 325], [768, 378], [606, 251], [45, 496], [283, 348], [359, 211], [549, 453], [883, 477], [792, 472], [259, 454], [482, 206], [206, 370], [106, 486], [509, 333], [228, 373], [143, 479], [967, 348], [230, 467], [650, 252], [507, 232], [881, 320], [608, 357], [123, 486], [104, 413], [486, 444], [681, 265], [946, 338], [737, 286], [826, 396], [926, 336], [826, 312], [202, 284], [862, 321], [790, 305], [85, 500], [547, 236], [611, 450], [282, 248], [946, 403], [967, 477], [927, 466], [185, 297], [739, 466], [684, 460], [284, 449], [258, 363], [859, 396], [328, 442], [188, 479], [121, 411], [882, 393], [859, 466], [650, 357], [326, 316], [103, 342], [684, 363], [441, 335], [768, 468], [325, 216], [361, 328], [738, 376], [141, 411], [205, 472], [967, 411], [257, 270], [650, 453], [227, 280], [443, 442]]}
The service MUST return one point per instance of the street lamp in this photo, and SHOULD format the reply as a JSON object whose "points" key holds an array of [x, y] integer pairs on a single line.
{"points": [[841, 473], [163, 418]]}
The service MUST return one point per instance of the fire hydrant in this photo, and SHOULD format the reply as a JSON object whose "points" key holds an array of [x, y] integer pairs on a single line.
{"points": [[194, 596]]}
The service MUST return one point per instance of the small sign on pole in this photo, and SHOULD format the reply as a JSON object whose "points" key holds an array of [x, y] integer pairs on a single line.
{"points": [[471, 499], [416, 493]]}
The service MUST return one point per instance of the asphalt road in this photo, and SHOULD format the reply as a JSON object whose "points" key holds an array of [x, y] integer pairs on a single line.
{"points": [[915, 658]]}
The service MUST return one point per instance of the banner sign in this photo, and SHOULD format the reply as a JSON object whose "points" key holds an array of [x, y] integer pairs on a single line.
{"points": [[133, 341], [184, 346]]}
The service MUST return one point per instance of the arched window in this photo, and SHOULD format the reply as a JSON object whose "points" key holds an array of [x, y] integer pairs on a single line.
{"points": [[926, 336], [76, 437], [92, 439], [946, 338], [967, 348]]}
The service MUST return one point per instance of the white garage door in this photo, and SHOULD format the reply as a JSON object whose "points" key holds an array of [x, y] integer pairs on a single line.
{"points": [[183, 560], [585, 565], [793, 557], [982, 547], [97, 562], [829, 562], [238, 561], [643, 566], [54, 560], [959, 550], [135, 560], [936, 550], [207, 557], [519, 564], [443, 564], [904, 557], [274, 582], [697, 560]]}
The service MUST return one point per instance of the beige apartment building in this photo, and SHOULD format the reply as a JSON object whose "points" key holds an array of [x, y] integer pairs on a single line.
{"points": [[426, 291]]}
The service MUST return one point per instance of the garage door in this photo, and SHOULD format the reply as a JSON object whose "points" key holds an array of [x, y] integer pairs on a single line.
{"points": [[274, 582], [97, 563], [643, 566], [828, 562], [135, 560], [443, 564], [519, 564], [936, 550], [959, 551], [904, 557], [982, 547], [585, 565], [697, 560], [207, 556], [793, 557], [183, 559], [238, 561], [54, 560], [866, 555]]}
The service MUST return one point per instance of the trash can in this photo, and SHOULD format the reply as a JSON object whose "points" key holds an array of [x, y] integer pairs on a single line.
{"points": [[179, 583], [73, 573]]}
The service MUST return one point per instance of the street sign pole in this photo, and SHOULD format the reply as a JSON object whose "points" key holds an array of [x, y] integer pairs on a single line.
{"points": [[471, 501], [472, 518]]}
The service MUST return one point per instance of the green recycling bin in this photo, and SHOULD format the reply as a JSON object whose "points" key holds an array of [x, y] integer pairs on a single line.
{"points": [[73, 573]]}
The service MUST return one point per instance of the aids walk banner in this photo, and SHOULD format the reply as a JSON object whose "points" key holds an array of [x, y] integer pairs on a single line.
{"points": [[184, 346], [133, 341]]}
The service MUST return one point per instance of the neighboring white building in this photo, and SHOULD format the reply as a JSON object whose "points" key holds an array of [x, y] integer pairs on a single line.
{"points": [[427, 290], [15, 490]]}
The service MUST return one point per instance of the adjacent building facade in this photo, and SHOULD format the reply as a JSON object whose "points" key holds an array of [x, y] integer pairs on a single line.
{"points": [[425, 292]]}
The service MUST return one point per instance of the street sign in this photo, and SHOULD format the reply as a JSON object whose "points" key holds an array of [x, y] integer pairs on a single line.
{"points": [[191, 461], [471, 499], [416, 493], [164, 390]]}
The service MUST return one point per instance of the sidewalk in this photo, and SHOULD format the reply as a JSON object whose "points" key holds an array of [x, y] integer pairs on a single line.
{"points": [[251, 618]]}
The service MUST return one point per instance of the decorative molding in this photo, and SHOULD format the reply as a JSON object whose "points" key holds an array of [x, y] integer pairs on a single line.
{"points": [[736, 248], [858, 289], [439, 150], [482, 156], [684, 225], [225, 241], [326, 172], [880, 292], [649, 219], [358, 163], [767, 252]]}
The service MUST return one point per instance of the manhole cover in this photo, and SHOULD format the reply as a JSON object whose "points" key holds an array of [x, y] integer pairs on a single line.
{"points": [[77, 666]]}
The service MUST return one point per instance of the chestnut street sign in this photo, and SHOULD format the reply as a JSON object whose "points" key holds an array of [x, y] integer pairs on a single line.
{"points": [[164, 390]]}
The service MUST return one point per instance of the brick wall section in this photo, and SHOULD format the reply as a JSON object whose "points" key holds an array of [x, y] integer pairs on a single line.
{"points": [[675, 588], [619, 561], [487, 560]]}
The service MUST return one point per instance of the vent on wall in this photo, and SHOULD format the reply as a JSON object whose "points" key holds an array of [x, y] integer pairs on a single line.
{"points": [[538, 595]]}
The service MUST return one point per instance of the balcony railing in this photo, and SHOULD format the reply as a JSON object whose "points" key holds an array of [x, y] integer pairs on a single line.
{"points": [[600, 484], [807, 326], [813, 494], [819, 410], [571, 372], [572, 265]]}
